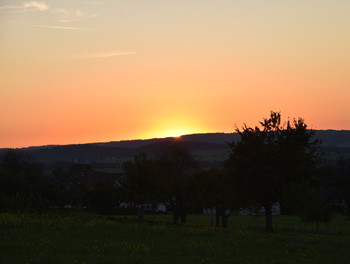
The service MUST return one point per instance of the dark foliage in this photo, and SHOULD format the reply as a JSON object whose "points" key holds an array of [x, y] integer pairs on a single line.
{"points": [[176, 170], [270, 157], [138, 182]]}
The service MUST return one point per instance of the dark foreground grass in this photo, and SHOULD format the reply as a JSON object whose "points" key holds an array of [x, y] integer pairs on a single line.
{"points": [[93, 239]]}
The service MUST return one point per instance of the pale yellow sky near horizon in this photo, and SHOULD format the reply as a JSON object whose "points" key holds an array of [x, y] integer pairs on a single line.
{"points": [[91, 71]]}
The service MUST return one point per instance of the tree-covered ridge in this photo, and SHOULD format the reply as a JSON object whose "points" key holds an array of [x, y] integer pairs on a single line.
{"points": [[210, 148]]}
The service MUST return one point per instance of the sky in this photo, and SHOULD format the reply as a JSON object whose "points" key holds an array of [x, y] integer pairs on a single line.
{"points": [[80, 71]]}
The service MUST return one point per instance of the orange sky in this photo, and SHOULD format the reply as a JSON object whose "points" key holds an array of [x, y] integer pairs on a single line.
{"points": [[87, 71]]}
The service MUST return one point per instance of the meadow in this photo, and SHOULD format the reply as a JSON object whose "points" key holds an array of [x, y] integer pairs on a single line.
{"points": [[87, 238]]}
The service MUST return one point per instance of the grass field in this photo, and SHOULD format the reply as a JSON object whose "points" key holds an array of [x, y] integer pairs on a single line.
{"points": [[96, 239]]}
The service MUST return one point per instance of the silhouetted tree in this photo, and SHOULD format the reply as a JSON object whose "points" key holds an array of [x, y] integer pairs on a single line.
{"points": [[21, 183], [76, 185], [269, 157], [342, 183], [104, 197], [138, 182], [177, 168], [304, 199], [214, 189]]}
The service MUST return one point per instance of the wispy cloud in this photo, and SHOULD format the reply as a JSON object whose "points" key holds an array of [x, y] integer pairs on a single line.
{"points": [[99, 55], [65, 15], [27, 6], [61, 27], [60, 15], [106, 54], [41, 6]]}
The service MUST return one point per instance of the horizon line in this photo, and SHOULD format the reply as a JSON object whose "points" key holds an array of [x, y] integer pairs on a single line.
{"points": [[136, 139]]}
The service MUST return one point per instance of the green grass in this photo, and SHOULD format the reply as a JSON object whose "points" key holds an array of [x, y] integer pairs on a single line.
{"points": [[338, 225], [95, 239]]}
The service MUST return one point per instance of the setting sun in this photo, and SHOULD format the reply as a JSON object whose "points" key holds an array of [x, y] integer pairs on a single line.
{"points": [[90, 71], [176, 132], [173, 127]]}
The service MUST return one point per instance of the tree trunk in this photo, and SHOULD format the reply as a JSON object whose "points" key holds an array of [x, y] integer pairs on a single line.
{"points": [[141, 214], [224, 220], [179, 214], [175, 218], [268, 216], [211, 219], [217, 216], [183, 218], [221, 214]]}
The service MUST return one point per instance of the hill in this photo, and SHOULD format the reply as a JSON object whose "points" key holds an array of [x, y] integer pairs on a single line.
{"points": [[209, 148]]}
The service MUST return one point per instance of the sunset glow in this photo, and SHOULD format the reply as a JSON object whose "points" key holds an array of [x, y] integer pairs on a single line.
{"points": [[91, 71], [171, 131]]}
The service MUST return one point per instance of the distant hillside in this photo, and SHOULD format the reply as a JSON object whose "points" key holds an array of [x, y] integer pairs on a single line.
{"points": [[334, 138], [74, 153], [218, 138], [210, 148], [192, 146], [329, 138]]}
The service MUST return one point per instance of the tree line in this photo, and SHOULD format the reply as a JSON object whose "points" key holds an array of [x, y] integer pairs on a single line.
{"points": [[274, 162]]}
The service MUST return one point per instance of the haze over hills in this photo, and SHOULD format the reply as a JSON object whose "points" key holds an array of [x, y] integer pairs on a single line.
{"points": [[209, 148]]}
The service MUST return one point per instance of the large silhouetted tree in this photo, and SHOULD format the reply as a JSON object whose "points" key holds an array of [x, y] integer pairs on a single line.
{"points": [[269, 157]]}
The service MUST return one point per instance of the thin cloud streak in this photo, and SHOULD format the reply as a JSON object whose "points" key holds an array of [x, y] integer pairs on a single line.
{"points": [[107, 54], [27, 6], [67, 15], [60, 15], [92, 55], [61, 27], [41, 6]]}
